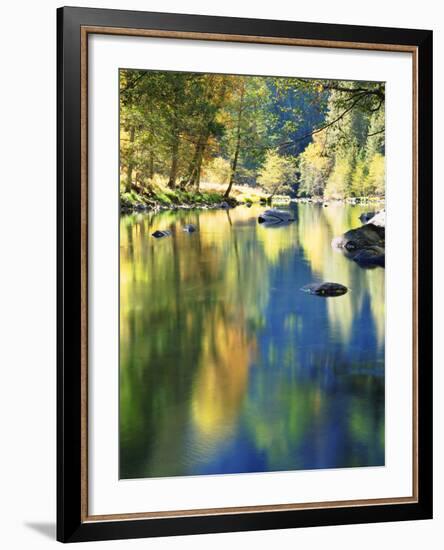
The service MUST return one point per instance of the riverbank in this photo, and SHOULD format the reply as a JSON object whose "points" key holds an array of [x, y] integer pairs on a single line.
{"points": [[211, 196], [208, 196]]}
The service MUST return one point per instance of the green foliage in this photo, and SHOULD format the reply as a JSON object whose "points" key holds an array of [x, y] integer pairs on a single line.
{"points": [[346, 158], [181, 129], [277, 172]]}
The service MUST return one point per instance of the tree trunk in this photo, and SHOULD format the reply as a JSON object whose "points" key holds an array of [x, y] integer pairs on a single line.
{"points": [[194, 171], [174, 162], [151, 166], [189, 180], [274, 191], [238, 140], [196, 164], [233, 167], [129, 172], [174, 141]]}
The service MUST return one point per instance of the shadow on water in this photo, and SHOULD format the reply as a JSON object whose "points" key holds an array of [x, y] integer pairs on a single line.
{"points": [[225, 366]]}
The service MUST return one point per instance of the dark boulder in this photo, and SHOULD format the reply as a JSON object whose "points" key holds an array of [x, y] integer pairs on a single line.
{"points": [[327, 290], [364, 245], [362, 237], [159, 234], [275, 217]]}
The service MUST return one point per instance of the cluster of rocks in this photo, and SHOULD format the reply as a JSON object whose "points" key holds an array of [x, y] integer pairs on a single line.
{"points": [[160, 233], [152, 206], [366, 244]]}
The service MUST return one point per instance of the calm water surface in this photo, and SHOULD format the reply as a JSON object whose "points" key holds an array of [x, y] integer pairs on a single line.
{"points": [[226, 366]]}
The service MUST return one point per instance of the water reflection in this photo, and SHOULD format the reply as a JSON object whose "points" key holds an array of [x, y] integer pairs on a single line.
{"points": [[225, 366]]}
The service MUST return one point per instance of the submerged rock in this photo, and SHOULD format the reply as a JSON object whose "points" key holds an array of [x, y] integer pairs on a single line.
{"points": [[369, 257], [159, 234], [274, 217], [325, 289], [189, 228]]}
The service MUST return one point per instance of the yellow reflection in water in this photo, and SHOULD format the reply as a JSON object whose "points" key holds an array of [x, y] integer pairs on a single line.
{"points": [[221, 380], [317, 227]]}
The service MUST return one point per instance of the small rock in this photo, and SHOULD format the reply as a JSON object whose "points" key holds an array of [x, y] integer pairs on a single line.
{"points": [[274, 217], [189, 228], [327, 290], [224, 205], [159, 234]]}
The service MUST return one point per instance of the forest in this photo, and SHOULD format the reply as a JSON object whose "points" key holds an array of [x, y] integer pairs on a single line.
{"points": [[202, 138]]}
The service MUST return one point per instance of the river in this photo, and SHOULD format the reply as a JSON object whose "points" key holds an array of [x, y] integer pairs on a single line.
{"points": [[226, 366]]}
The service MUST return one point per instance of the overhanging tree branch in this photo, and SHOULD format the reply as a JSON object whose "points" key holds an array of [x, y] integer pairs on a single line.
{"points": [[322, 128]]}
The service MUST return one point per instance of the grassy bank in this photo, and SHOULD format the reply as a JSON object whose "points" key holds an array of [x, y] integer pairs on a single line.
{"points": [[209, 195]]}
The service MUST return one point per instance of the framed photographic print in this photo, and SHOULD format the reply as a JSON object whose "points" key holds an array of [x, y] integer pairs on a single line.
{"points": [[244, 274]]}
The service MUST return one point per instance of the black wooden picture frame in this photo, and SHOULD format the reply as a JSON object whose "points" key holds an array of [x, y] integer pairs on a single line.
{"points": [[73, 522]]}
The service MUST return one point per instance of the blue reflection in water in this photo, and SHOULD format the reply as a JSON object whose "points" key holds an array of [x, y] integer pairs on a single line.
{"points": [[226, 366]]}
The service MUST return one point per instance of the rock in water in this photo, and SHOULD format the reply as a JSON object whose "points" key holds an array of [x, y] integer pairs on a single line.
{"points": [[366, 216], [273, 217], [325, 289], [159, 234], [361, 237], [224, 205], [189, 228]]}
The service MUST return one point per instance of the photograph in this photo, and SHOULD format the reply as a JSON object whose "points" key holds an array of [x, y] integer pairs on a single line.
{"points": [[251, 273], [239, 348]]}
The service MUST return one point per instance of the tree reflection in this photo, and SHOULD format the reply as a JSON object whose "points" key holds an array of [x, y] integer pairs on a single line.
{"points": [[226, 366]]}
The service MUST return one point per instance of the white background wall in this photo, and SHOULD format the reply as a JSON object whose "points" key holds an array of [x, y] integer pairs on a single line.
{"points": [[27, 273]]}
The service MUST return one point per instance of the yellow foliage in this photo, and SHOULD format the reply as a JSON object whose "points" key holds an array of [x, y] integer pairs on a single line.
{"points": [[337, 184], [217, 171], [376, 174]]}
